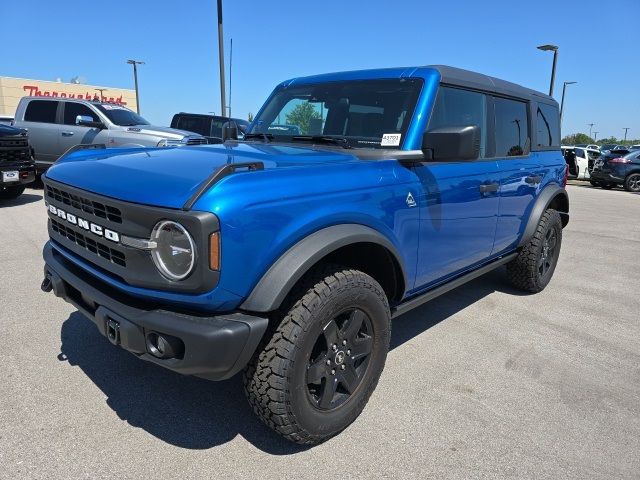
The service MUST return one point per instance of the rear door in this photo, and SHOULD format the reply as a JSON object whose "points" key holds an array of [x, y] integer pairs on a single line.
{"points": [[523, 174], [72, 134], [458, 200], [40, 119]]}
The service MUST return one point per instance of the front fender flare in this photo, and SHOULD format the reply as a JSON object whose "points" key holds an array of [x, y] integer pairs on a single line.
{"points": [[550, 193], [278, 281]]}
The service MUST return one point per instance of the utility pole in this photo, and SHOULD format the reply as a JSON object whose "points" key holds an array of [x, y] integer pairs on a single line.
{"points": [[554, 49], [101, 90], [230, 70], [595, 136], [590, 128], [135, 64], [625, 133], [223, 107]]}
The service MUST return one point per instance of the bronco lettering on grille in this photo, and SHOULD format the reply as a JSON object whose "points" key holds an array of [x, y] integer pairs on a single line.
{"points": [[94, 228]]}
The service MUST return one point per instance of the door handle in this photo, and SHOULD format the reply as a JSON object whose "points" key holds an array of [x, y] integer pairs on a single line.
{"points": [[488, 188], [533, 179], [67, 134]]}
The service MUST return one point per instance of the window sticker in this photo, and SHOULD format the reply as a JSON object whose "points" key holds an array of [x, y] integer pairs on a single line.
{"points": [[390, 140]]}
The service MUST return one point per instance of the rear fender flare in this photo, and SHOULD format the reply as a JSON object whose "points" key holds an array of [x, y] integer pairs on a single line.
{"points": [[550, 194]]}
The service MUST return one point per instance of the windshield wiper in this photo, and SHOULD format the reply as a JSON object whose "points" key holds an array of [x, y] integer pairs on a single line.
{"points": [[267, 137], [340, 141]]}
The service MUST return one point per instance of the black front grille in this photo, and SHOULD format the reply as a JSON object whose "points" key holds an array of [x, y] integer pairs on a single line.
{"points": [[89, 206], [89, 244], [14, 149]]}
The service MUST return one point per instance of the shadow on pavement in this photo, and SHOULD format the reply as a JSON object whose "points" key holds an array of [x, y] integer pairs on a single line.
{"points": [[198, 414], [23, 199]]}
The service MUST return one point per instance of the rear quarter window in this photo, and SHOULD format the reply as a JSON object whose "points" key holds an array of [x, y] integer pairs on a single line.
{"points": [[43, 111], [547, 126]]}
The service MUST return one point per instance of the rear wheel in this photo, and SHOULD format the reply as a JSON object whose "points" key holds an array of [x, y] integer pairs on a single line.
{"points": [[632, 183], [533, 268], [317, 370], [9, 193]]}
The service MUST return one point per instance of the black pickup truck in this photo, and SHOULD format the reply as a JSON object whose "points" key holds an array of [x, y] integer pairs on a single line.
{"points": [[17, 166]]}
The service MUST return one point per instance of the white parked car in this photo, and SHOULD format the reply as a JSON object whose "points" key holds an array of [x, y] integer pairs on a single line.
{"points": [[580, 161]]}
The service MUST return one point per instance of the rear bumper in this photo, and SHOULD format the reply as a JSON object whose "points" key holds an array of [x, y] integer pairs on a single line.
{"points": [[213, 347], [600, 176], [26, 173]]}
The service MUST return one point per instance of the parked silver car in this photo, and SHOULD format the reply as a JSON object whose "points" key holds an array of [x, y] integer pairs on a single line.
{"points": [[57, 124]]}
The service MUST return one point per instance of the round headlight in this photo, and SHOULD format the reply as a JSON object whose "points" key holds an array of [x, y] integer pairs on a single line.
{"points": [[175, 252]]}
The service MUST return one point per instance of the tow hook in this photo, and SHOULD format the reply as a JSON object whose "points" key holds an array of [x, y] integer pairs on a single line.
{"points": [[113, 331], [46, 285]]}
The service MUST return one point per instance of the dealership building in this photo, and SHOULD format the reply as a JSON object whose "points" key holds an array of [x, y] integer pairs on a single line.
{"points": [[13, 89]]}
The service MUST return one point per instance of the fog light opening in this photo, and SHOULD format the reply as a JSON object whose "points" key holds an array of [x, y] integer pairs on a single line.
{"points": [[164, 346]]}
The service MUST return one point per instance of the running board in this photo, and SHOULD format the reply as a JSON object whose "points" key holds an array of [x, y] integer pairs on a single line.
{"points": [[450, 285]]}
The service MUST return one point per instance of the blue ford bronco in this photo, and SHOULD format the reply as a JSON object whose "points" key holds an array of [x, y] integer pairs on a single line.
{"points": [[286, 255]]}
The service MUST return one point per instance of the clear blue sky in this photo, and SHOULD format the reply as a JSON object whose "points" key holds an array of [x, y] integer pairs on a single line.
{"points": [[275, 40]]}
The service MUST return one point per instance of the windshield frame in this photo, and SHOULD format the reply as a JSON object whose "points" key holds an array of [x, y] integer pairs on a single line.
{"points": [[416, 86], [106, 108]]}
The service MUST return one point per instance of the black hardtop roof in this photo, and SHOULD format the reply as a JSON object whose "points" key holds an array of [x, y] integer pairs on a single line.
{"points": [[479, 81]]}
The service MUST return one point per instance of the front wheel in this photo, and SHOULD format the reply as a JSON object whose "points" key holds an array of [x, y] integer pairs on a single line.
{"points": [[9, 193], [317, 370], [533, 268], [632, 183]]}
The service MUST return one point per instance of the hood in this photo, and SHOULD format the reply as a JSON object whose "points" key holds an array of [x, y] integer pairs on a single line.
{"points": [[168, 177], [166, 132], [9, 131]]}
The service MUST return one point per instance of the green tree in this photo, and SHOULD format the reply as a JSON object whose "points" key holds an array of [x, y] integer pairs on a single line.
{"points": [[302, 115], [577, 138], [250, 117]]}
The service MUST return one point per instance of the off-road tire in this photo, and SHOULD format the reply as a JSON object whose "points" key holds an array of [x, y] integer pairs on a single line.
{"points": [[9, 193], [632, 182], [275, 380], [523, 272]]}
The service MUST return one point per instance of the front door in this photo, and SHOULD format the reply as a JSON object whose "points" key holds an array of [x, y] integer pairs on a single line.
{"points": [[72, 134], [458, 200]]}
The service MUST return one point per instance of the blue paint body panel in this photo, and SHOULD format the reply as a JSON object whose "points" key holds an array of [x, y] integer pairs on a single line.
{"points": [[452, 227]]}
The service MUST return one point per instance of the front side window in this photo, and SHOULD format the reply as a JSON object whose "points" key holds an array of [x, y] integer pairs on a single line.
{"points": [[120, 115], [360, 113], [455, 107], [512, 127], [548, 125], [73, 109], [43, 111]]}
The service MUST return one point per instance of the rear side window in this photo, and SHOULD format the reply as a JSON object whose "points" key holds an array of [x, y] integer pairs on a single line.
{"points": [[43, 111], [73, 109], [548, 125], [512, 127], [456, 107], [198, 125]]}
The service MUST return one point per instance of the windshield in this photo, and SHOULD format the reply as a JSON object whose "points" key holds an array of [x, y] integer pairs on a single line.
{"points": [[362, 113], [121, 116]]}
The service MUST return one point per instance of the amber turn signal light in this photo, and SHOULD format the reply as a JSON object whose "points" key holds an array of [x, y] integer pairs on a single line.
{"points": [[214, 251]]}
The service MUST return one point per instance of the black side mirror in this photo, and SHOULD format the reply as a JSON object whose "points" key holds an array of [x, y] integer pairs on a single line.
{"points": [[451, 143], [229, 131]]}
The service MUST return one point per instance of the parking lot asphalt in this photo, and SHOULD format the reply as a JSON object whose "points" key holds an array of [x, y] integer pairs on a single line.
{"points": [[483, 382]]}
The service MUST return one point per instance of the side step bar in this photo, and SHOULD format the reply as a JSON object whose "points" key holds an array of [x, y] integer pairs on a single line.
{"points": [[219, 174], [450, 285]]}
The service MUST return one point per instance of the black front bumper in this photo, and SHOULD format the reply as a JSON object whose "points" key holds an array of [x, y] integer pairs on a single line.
{"points": [[26, 173], [214, 347]]}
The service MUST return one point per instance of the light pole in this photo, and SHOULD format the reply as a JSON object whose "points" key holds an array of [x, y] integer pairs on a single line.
{"points": [[101, 90], [590, 128], [564, 88], [135, 64], [554, 49], [625, 133], [223, 108], [595, 136]]}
